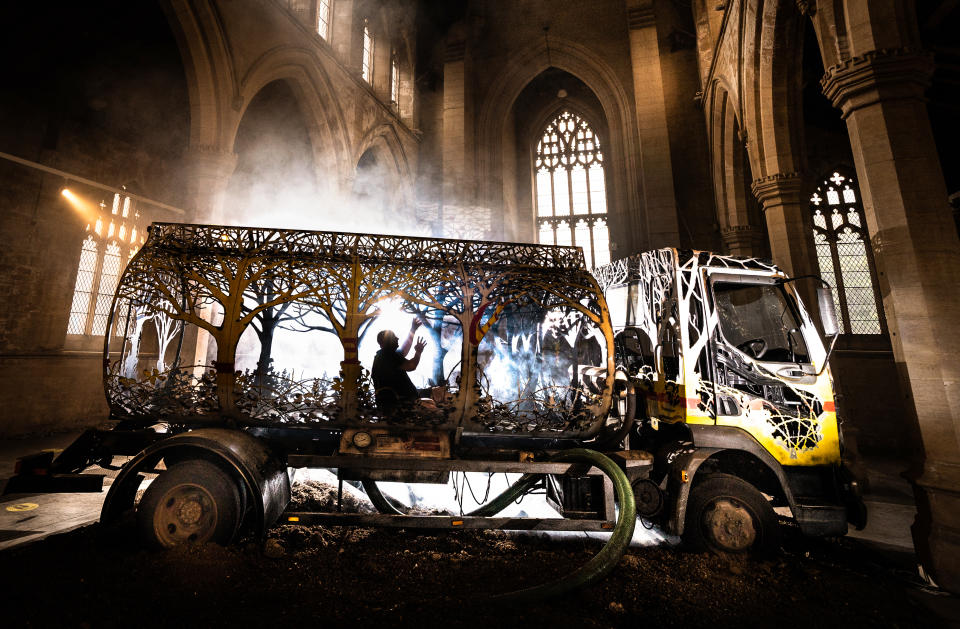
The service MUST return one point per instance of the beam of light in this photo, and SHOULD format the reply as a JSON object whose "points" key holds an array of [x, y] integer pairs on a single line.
{"points": [[87, 209]]}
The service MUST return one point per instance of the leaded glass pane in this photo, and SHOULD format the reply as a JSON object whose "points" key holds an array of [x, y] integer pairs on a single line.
{"points": [[109, 273], [561, 194], [546, 234], [836, 218], [598, 191], [366, 70], [581, 236], [819, 220], [601, 243], [544, 196], [853, 217], [394, 81], [323, 18], [578, 190], [563, 233], [83, 288]]}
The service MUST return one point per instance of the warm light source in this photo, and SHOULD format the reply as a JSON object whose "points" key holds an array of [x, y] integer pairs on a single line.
{"points": [[86, 208]]}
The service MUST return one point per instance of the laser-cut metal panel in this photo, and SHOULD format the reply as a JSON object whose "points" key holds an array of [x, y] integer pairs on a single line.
{"points": [[218, 282], [671, 317]]}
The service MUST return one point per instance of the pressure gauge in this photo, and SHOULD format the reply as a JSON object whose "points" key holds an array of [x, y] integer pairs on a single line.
{"points": [[362, 439]]}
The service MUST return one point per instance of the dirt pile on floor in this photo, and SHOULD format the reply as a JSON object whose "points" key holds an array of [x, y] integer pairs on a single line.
{"points": [[332, 576], [319, 496]]}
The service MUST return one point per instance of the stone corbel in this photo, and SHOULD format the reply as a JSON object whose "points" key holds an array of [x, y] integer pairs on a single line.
{"points": [[778, 188], [878, 75], [740, 238]]}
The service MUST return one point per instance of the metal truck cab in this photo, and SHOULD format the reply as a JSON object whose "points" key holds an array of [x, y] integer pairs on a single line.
{"points": [[731, 380], [769, 376]]}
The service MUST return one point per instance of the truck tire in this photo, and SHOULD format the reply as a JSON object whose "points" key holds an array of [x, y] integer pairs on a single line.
{"points": [[726, 514], [192, 501]]}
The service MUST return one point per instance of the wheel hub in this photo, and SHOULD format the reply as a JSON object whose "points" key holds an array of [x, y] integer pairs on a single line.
{"points": [[190, 512], [730, 524], [187, 513]]}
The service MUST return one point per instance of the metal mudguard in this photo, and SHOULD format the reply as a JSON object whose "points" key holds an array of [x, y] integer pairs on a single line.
{"points": [[248, 460], [813, 519]]}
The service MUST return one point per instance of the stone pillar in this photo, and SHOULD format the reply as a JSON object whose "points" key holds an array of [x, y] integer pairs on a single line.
{"points": [[657, 171], [343, 35], [917, 253], [457, 145], [207, 174], [789, 225], [741, 240]]}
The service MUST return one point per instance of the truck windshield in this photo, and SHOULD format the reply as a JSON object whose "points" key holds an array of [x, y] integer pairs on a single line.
{"points": [[759, 321]]}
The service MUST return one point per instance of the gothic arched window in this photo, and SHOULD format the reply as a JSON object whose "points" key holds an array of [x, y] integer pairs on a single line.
{"points": [[844, 256], [569, 190], [113, 236]]}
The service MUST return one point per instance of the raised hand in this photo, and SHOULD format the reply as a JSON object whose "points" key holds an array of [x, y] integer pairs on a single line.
{"points": [[421, 343], [415, 324]]}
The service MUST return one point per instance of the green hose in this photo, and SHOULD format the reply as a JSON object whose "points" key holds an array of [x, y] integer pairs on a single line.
{"points": [[608, 557], [599, 566]]}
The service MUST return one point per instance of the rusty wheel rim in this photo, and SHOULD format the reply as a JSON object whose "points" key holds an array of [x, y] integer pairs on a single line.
{"points": [[730, 524], [187, 513]]}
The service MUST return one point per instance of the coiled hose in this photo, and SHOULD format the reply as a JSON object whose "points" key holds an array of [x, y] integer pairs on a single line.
{"points": [[601, 563]]}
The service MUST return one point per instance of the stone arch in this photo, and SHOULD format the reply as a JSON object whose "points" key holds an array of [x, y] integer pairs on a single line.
{"points": [[384, 142], [275, 163], [322, 111], [777, 82], [209, 67], [740, 226], [525, 65]]}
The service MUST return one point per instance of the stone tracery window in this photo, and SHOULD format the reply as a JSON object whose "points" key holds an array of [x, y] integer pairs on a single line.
{"points": [[323, 18], [844, 256], [569, 188], [113, 237], [366, 70]]}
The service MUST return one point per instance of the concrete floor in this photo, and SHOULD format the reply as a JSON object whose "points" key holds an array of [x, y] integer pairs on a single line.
{"points": [[26, 518]]}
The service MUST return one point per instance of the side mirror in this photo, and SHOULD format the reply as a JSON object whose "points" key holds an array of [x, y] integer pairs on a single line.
{"points": [[828, 311]]}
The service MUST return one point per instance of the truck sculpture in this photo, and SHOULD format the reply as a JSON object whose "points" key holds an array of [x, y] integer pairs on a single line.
{"points": [[529, 375]]}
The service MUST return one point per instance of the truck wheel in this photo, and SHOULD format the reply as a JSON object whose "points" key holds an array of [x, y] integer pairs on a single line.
{"points": [[726, 514], [193, 501]]}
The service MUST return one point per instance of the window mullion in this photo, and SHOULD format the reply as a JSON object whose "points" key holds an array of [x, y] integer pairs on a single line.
{"points": [[573, 221]]}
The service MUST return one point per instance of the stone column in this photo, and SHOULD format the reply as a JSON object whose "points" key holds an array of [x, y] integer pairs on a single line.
{"points": [[657, 170], [917, 253], [459, 177], [789, 225], [207, 174], [344, 36]]}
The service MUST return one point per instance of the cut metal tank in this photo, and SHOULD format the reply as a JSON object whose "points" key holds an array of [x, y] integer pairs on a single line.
{"points": [[261, 326]]}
